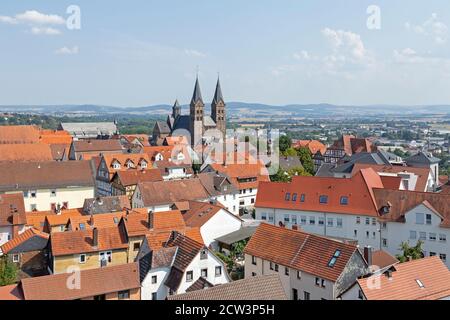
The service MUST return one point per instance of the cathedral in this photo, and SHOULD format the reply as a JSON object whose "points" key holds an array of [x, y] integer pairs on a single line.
{"points": [[196, 123]]}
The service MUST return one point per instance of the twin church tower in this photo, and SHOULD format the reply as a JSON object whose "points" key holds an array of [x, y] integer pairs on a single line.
{"points": [[196, 122]]}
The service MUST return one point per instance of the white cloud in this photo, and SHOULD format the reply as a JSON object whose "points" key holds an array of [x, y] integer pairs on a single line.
{"points": [[67, 51], [432, 27], [45, 31], [8, 20], [194, 53], [346, 43], [35, 17], [302, 55]]}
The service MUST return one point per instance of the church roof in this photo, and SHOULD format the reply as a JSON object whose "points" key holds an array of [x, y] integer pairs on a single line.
{"points": [[218, 94], [197, 96], [182, 122]]}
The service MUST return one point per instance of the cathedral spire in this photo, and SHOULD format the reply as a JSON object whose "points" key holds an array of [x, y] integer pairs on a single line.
{"points": [[218, 94], [176, 109], [197, 96]]}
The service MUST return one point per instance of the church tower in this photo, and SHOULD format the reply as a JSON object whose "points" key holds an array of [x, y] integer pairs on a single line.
{"points": [[196, 115], [176, 110], [218, 109]]}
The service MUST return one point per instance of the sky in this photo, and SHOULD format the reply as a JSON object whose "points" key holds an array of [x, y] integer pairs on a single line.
{"points": [[146, 52]]}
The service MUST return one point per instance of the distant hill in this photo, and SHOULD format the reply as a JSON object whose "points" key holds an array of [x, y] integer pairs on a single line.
{"points": [[238, 108]]}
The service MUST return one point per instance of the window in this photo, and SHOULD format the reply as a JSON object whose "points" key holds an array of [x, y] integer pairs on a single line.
{"points": [[294, 294], [294, 197], [321, 221], [322, 283], [374, 221], [358, 220], [294, 219], [443, 257], [355, 233], [367, 221], [432, 236], [33, 207], [252, 200], [442, 237], [286, 271], [323, 199], [33, 193], [218, 271], [384, 242], [360, 295], [339, 222], [253, 274], [276, 267], [136, 246], [287, 197], [432, 254], [419, 218], [154, 279], [306, 295], [384, 225], [344, 200], [422, 236], [82, 258], [333, 260], [82, 226], [299, 275], [263, 216], [330, 222], [312, 220], [286, 218], [302, 197], [412, 235], [374, 235], [254, 260], [367, 235], [270, 218], [317, 281], [125, 294], [53, 193], [303, 220], [204, 254], [204, 273], [105, 256], [428, 218], [271, 265], [154, 295], [16, 258], [189, 276]]}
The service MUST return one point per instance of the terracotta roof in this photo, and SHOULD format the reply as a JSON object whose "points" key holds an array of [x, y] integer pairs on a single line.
{"points": [[422, 173], [48, 174], [92, 282], [12, 209], [55, 137], [37, 219], [137, 223], [25, 152], [104, 220], [153, 151], [22, 238], [142, 138], [171, 141], [200, 212], [407, 279], [97, 145], [169, 192], [19, 134], [238, 173], [357, 189], [402, 201], [123, 159], [157, 238], [60, 152], [11, 292], [312, 145], [393, 183], [300, 250], [350, 144], [133, 177], [73, 242], [383, 259], [267, 287]]}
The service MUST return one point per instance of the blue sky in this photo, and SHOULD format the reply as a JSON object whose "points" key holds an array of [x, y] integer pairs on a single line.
{"points": [[143, 52]]}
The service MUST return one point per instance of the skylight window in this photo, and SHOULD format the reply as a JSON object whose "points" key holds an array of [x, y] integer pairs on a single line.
{"points": [[323, 199], [287, 197], [294, 197], [302, 197], [344, 200], [82, 226], [420, 284], [333, 260]]}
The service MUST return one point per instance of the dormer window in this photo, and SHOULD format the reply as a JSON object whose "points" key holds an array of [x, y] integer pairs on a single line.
{"points": [[143, 164], [323, 199], [159, 157], [116, 165], [130, 164], [344, 200], [287, 197]]}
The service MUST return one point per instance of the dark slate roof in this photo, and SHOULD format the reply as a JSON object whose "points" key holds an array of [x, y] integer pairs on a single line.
{"points": [[200, 284], [215, 184], [163, 127], [197, 96], [182, 122], [362, 157], [422, 158], [267, 287], [106, 204], [238, 235], [218, 97], [287, 163], [155, 259], [325, 170]]}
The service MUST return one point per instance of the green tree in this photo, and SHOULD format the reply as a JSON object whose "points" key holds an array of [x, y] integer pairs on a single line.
{"points": [[290, 152], [286, 176], [306, 159], [8, 271], [414, 252], [284, 144]]}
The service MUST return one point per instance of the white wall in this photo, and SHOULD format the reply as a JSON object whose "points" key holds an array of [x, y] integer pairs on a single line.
{"points": [[230, 202], [147, 288], [222, 223], [247, 195]]}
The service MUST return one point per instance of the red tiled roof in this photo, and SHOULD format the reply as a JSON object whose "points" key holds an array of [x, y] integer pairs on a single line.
{"points": [[357, 189], [391, 182], [97, 145], [312, 145], [25, 152], [12, 209], [73, 242], [238, 172], [200, 212], [21, 238], [93, 282], [137, 223], [133, 177], [383, 259], [301, 251], [123, 159], [55, 137], [19, 134], [404, 285], [11, 292]]}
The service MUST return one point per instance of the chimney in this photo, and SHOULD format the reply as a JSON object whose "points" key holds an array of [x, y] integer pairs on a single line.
{"points": [[95, 237], [151, 216], [368, 255]]}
